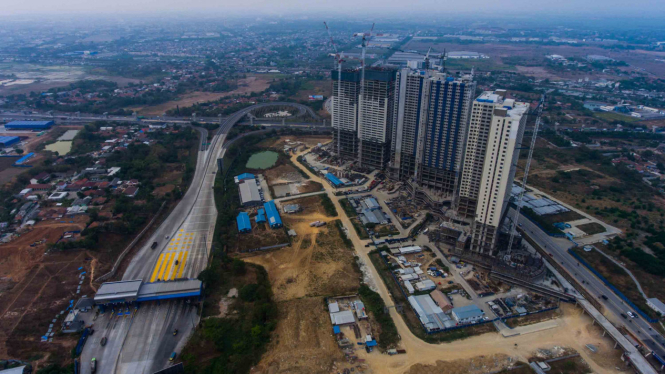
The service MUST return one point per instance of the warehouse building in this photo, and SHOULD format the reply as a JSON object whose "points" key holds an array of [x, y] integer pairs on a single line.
{"points": [[334, 181], [29, 125], [243, 222], [468, 314], [6, 141], [249, 192], [430, 315], [274, 220]]}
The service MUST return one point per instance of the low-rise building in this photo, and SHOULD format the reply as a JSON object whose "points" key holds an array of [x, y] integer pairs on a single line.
{"points": [[467, 314], [249, 193]]}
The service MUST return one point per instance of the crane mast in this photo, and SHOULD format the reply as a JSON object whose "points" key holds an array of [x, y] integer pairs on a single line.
{"points": [[539, 112]]}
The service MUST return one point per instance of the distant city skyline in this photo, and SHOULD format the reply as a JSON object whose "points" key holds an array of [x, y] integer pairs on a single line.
{"points": [[650, 8]]}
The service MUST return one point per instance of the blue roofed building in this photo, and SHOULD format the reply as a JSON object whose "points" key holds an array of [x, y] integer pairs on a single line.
{"points": [[243, 176], [29, 125], [6, 141], [261, 216], [334, 180], [244, 224], [274, 220], [467, 314]]}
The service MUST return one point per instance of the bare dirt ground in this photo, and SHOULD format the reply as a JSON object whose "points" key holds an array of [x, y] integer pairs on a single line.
{"points": [[245, 86], [303, 342], [574, 332], [26, 311], [316, 264], [281, 174], [18, 257]]}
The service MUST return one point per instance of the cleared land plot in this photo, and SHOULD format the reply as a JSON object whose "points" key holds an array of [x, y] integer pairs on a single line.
{"points": [[592, 228], [245, 86], [562, 217], [316, 264], [533, 318], [29, 307], [302, 342]]}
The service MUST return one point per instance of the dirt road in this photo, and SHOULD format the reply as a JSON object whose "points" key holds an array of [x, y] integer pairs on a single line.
{"points": [[574, 331]]}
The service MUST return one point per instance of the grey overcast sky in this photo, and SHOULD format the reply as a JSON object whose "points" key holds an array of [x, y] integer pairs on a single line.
{"points": [[606, 7]]}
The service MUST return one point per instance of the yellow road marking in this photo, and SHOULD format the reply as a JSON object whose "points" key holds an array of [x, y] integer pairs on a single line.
{"points": [[182, 264], [175, 267], [159, 263], [166, 265]]}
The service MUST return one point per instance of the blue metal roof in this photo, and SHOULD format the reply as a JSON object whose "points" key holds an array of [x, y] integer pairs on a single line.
{"points": [[29, 124], [7, 140], [334, 180], [244, 176], [243, 222], [274, 219], [24, 158], [336, 329], [261, 216]]}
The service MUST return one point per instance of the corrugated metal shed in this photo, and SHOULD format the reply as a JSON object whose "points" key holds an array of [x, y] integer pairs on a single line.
{"points": [[249, 192], [334, 180], [431, 316], [243, 222], [243, 176], [39, 125], [441, 300], [342, 318], [467, 312], [9, 140], [274, 220], [261, 216]]}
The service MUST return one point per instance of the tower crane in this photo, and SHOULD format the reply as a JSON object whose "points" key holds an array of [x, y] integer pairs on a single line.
{"points": [[539, 112]]}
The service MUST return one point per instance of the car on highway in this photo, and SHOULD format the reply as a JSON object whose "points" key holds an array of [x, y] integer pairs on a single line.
{"points": [[624, 316], [154, 245], [93, 365], [103, 342], [175, 332], [631, 314], [604, 297]]}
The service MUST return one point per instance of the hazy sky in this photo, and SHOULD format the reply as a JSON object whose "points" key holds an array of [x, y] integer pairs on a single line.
{"points": [[505, 7]]}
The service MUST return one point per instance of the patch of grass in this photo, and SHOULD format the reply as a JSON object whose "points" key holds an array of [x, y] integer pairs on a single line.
{"points": [[388, 336], [610, 116], [592, 228], [233, 344], [348, 209], [617, 276], [328, 205], [347, 242], [362, 234]]}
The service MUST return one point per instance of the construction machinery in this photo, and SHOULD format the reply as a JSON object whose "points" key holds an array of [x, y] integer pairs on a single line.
{"points": [[518, 203]]}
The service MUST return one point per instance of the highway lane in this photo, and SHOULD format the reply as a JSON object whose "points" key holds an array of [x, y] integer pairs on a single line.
{"points": [[86, 117], [558, 248], [141, 340]]}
